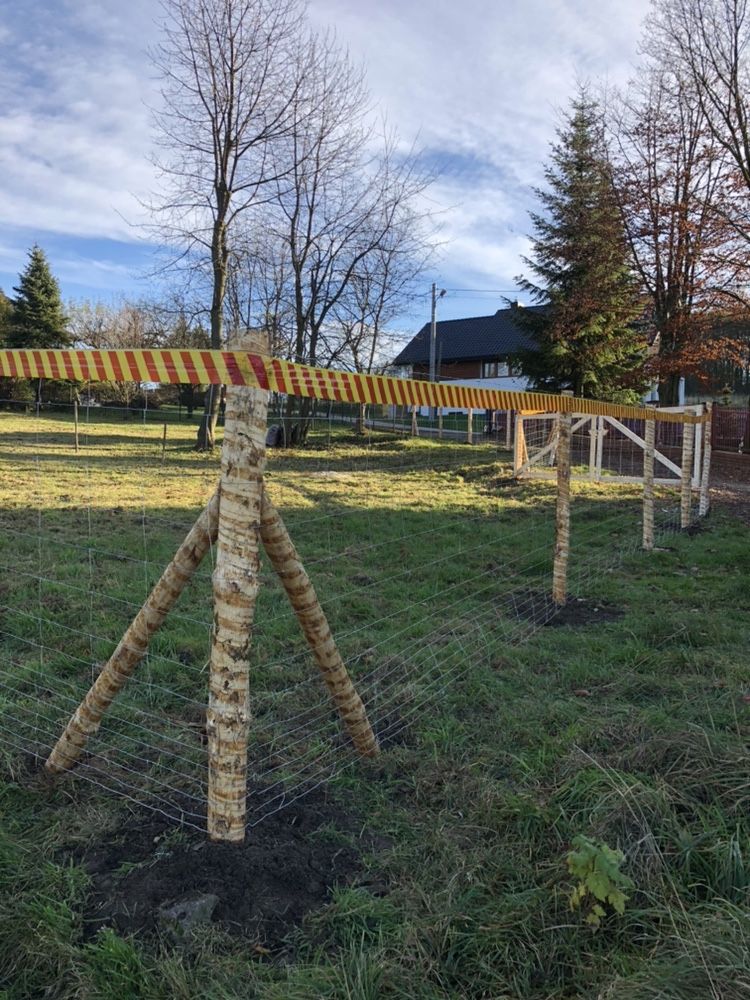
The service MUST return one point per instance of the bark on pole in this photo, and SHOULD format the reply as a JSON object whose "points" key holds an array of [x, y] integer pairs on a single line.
{"points": [[470, 427], [648, 485], [133, 646], [686, 485], [236, 581], [562, 512], [314, 624], [440, 423], [704, 503], [75, 424], [414, 424]]}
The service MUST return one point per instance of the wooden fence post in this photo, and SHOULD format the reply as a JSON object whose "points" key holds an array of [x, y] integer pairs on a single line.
{"points": [[592, 447], [164, 441], [236, 581], [414, 424], [686, 479], [648, 484], [470, 427], [562, 511], [134, 643], [440, 423], [75, 424], [520, 453], [704, 503], [314, 624]]}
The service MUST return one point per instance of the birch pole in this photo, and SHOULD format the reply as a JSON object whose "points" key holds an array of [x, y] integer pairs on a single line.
{"points": [[686, 485], [133, 646], [470, 427], [648, 484], [236, 581], [562, 511], [705, 499], [314, 624]]}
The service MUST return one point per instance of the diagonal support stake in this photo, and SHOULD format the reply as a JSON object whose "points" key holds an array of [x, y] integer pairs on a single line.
{"points": [[115, 673], [314, 624]]}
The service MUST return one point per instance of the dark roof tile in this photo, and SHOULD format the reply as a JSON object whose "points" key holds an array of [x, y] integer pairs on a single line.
{"points": [[478, 337]]}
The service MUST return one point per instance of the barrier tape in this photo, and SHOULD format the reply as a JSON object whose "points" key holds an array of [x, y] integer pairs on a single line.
{"points": [[290, 378]]}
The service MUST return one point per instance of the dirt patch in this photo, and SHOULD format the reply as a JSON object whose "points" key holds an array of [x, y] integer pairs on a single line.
{"points": [[286, 868], [537, 606], [730, 483]]}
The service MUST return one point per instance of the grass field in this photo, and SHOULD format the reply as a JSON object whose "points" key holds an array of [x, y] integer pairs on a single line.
{"points": [[439, 870]]}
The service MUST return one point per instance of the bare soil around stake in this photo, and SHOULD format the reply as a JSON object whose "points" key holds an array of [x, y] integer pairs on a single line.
{"points": [[287, 867], [537, 607]]}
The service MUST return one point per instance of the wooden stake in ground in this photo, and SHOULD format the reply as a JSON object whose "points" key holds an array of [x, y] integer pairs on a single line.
{"points": [[648, 484], [302, 596], [133, 645], [686, 485], [470, 427], [75, 424], [704, 503], [236, 582], [562, 511], [414, 424], [520, 454], [440, 423]]}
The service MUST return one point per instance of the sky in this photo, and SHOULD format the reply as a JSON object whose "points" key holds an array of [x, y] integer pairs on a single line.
{"points": [[477, 85]]}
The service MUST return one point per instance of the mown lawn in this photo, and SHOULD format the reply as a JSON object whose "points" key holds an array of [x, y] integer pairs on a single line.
{"points": [[504, 738]]}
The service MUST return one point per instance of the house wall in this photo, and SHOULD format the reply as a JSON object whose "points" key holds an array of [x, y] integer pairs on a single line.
{"points": [[452, 372]]}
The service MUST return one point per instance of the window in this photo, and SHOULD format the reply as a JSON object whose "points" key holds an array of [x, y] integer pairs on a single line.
{"points": [[495, 369]]}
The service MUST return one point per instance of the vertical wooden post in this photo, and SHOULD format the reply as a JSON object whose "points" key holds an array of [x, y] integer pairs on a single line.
{"points": [[520, 454], [562, 511], [236, 582], [470, 427], [704, 503], [75, 424], [414, 424], [164, 440], [648, 484], [686, 478], [508, 428], [592, 448], [440, 423], [599, 449]]}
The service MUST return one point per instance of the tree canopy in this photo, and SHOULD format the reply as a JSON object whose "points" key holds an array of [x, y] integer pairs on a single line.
{"points": [[37, 318], [587, 335]]}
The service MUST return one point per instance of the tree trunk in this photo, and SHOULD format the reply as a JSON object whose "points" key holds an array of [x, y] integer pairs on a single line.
{"points": [[669, 391], [361, 418], [236, 582]]}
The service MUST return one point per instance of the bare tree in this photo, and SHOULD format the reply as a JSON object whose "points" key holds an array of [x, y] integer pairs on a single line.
{"points": [[706, 42], [671, 181], [231, 72]]}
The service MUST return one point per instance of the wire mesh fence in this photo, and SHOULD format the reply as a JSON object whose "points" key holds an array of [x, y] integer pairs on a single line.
{"points": [[426, 556]]}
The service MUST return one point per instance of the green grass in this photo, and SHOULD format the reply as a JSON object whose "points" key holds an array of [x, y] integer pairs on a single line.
{"points": [[632, 732]]}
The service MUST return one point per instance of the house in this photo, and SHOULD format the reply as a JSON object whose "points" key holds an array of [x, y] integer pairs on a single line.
{"points": [[481, 351]]}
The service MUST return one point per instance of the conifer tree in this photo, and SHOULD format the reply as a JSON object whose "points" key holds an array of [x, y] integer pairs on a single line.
{"points": [[37, 319], [6, 308], [585, 331]]}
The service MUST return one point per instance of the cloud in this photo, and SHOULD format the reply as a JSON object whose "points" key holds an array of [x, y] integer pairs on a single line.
{"points": [[476, 83]]}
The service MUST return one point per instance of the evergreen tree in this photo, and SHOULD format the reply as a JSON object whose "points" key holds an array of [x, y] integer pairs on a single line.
{"points": [[585, 331], [37, 319], [6, 309]]}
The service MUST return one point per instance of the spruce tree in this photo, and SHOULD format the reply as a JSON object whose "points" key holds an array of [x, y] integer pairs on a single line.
{"points": [[6, 310], [585, 332], [37, 319]]}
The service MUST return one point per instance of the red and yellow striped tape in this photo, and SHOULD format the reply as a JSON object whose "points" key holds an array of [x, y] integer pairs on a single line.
{"points": [[288, 377]]}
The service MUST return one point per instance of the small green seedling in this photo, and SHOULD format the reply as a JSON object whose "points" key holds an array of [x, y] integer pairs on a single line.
{"points": [[600, 881]]}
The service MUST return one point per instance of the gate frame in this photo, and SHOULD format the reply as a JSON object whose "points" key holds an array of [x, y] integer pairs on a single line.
{"points": [[523, 463]]}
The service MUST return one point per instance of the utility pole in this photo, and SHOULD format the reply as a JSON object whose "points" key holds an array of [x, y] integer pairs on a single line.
{"points": [[433, 336]]}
